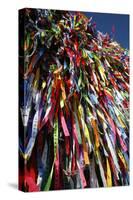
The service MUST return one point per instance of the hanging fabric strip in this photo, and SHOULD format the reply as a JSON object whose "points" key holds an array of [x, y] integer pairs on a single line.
{"points": [[46, 117], [57, 173], [84, 126], [109, 177], [75, 136], [113, 153], [101, 169], [84, 184], [64, 125], [48, 184], [85, 152], [31, 142], [95, 129]]}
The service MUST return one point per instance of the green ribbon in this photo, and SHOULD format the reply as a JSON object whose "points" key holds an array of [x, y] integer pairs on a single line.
{"points": [[48, 184]]}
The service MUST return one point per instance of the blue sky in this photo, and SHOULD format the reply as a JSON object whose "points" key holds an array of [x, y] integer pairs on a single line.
{"points": [[105, 22]]}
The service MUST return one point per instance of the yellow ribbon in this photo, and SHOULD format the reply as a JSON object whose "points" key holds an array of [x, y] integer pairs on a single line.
{"points": [[95, 129], [84, 126], [109, 178]]}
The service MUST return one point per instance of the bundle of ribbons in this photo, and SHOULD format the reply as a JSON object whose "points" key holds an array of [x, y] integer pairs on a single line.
{"points": [[74, 103]]}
